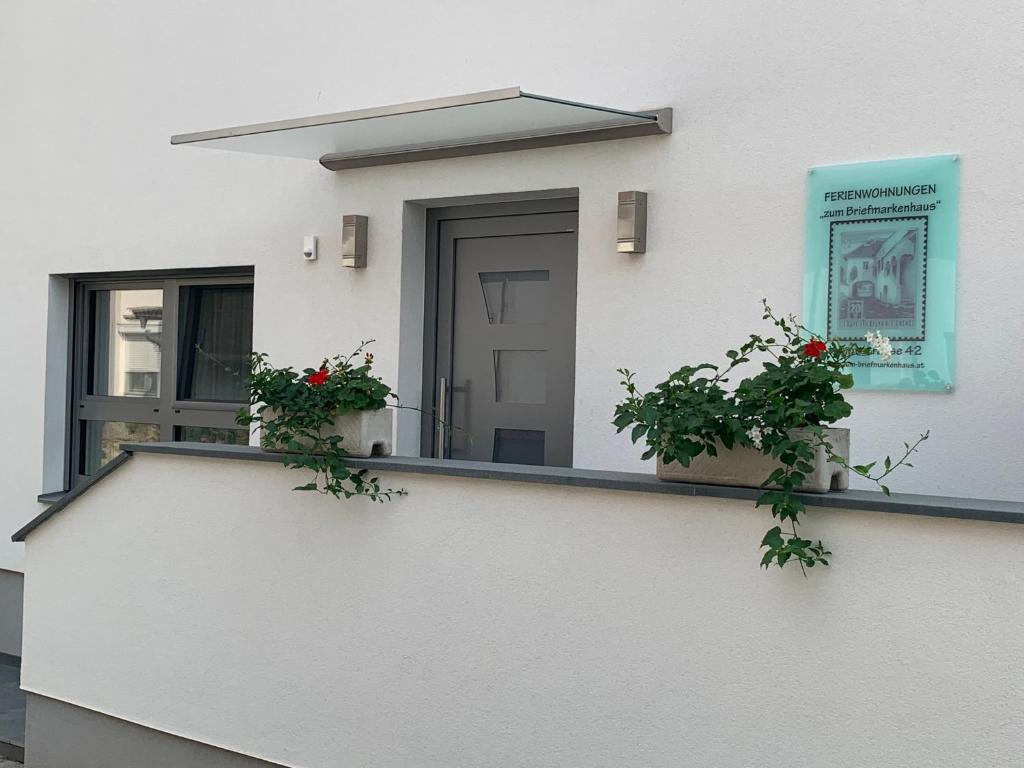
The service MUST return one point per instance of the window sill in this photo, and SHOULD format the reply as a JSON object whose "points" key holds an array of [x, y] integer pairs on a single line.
{"points": [[50, 498]]}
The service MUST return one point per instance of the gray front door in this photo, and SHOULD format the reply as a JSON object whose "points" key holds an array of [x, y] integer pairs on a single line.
{"points": [[506, 331]]}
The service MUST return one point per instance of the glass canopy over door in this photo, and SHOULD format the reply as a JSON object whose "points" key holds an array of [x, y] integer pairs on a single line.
{"points": [[491, 121]]}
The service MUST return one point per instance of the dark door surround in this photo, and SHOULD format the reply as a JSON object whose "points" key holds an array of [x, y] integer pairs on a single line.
{"points": [[527, 217]]}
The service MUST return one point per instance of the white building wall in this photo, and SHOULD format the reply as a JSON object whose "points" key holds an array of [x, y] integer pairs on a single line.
{"points": [[92, 92], [528, 625]]}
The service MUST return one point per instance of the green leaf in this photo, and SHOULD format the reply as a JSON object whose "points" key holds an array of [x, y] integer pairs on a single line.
{"points": [[769, 498], [623, 420], [773, 538]]}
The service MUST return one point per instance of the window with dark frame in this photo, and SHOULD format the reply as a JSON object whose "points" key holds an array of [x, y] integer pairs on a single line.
{"points": [[157, 358]]}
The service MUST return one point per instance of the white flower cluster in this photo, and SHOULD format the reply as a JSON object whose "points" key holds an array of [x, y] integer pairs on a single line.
{"points": [[880, 344], [756, 435]]}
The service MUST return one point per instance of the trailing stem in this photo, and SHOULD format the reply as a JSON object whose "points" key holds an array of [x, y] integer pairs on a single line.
{"points": [[781, 411], [293, 409]]}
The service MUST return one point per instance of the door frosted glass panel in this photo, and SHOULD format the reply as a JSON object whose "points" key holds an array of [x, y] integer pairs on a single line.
{"points": [[520, 376], [126, 335], [101, 440], [518, 446], [215, 341], [516, 297]]}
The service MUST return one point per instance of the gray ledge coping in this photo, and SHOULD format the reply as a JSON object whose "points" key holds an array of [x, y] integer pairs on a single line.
{"points": [[991, 510]]}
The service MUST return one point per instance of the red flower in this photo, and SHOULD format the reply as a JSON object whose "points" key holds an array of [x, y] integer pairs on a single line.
{"points": [[319, 378], [814, 348]]}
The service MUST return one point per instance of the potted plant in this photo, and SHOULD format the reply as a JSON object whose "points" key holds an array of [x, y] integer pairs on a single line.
{"points": [[321, 416], [772, 431]]}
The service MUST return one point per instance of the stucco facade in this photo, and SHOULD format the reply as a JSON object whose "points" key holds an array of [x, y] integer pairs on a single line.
{"points": [[482, 622], [761, 92]]}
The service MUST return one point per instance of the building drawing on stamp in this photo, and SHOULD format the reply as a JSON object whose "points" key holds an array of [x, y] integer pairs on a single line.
{"points": [[877, 273]]}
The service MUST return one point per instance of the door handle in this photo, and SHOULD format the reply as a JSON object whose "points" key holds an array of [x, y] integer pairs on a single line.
{"points": [[442, 417]]}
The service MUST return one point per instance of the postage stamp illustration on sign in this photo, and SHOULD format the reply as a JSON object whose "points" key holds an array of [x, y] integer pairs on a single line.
{"points": [[877, 271]]}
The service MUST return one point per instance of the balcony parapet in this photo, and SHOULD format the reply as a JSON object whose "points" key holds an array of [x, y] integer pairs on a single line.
{"points": [[990, 510]]}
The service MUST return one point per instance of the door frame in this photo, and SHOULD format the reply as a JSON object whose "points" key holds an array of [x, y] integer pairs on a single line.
{"points": [[435, 217]]}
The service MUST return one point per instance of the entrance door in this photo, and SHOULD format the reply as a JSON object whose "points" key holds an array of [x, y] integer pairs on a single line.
{"points": [[506, 332]]}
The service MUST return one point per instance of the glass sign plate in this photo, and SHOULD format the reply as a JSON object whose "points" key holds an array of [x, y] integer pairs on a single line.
{"points": [[881, 256]]}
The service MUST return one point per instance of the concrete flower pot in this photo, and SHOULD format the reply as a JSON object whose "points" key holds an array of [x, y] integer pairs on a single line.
{"points": [[363, 433], [749, 468]]}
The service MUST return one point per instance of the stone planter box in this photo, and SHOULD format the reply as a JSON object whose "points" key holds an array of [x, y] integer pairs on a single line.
{"points": [[748, 468], [363, 433]]}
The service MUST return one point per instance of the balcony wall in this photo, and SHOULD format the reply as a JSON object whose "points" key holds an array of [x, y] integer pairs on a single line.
{"points": [[485, 622]]}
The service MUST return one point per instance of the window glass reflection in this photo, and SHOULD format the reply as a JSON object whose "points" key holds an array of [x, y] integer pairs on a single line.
{"points": [[217, 435], [101, 440], [215, 341], [125, 342]]}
